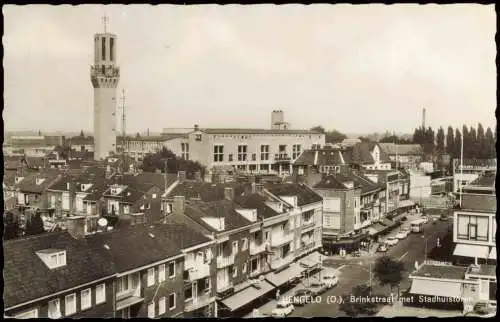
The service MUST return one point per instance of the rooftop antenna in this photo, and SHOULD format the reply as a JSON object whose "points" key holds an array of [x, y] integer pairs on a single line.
{"points": [[105, 21]]}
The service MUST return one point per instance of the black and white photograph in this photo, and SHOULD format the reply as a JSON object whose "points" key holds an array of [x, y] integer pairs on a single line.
{"points": [[249, 161]]}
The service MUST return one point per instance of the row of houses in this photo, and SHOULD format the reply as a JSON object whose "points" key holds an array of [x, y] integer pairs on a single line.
{"points": [[217, 249]]}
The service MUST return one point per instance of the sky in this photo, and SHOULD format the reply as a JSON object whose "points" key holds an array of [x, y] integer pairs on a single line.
{"points": [[357, 69]]}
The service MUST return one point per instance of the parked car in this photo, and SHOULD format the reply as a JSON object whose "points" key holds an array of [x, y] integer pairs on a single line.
{"points": [[382, 248], [330, 280], [402, 234], [425, 219], [284, 308], [301, 297], [318, 288], [391, 241]]}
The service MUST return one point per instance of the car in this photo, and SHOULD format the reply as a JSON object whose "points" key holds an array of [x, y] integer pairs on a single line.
{"points": [[301, 297], [402, 234], [425, 219], [382, 248], [283, 308], [443, 217], [318, 288], [391, 241], [330, 280]]}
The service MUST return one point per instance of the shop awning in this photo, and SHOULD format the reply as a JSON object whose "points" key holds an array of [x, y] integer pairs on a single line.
{"points": [[389, 223], [436, 288], [493, 253], [376, 228], [286, 275], [473, 251], [247, 295], [311, 260], [129, 301]]}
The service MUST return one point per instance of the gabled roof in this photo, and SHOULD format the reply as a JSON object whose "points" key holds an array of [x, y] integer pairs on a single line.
{"points": [[256, 201], [366, 184], [305, 195], [258, 131], [336, 182], [486, 180], [28, 184], [156, 179], [197, 210], [401, 149], [205, 191], [134, 190], [79, 140], [27, 278], [137, 246], [91, 175], [320, 157]]}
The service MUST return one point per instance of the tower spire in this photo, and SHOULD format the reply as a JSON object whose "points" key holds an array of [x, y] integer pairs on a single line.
{"points": [[105, 21]]}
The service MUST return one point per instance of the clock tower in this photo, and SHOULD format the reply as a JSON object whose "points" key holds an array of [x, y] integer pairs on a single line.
{"points": [[104, 75]]}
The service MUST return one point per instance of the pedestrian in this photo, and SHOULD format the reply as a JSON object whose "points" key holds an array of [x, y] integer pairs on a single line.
{"points": [[277, 295]]}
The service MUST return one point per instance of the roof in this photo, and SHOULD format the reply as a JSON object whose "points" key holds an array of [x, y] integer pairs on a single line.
{"points": [[259, 131], [484, 270], [205, 191], [153, 138], [485, 180], [83, 265], [366, 184], [336, 181], [401, 149], [361, 153], [134, 190], [305, 195], [441, 271], [28, 184], [156, 179], [93, 175], [322, 157], [196, 210], [133, 247], [256, 201]]}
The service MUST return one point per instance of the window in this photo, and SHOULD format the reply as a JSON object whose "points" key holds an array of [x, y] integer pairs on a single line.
{"points": [[282, 227], [254, 157], [472, 227], [111, 49], [31, 314], [254, 264], [126, 210], [218, 153], [100, 294], [188, 292], [296, 149], [205, 284], [198, 137], [230, 157], [151, 276], [244, 270], [235, 248], [122, 284], [171, 269], [70, 304], [242, 152], [264, 152], [85, 299], [162, 302], [244, 244], [172, 301], [54, 309], [103, 52], [161, 273], [151, 310], [185, 151], [266, 235], [234, 271]]}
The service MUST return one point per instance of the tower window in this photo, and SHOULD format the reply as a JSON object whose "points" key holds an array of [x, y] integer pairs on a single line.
{"points": [[103, 49], [111, 49]]}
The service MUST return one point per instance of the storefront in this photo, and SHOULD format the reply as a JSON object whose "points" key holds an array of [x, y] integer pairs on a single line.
{"points": [[240, 303], [333, 245]]}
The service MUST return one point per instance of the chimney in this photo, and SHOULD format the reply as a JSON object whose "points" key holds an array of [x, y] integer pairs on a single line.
{"points": [[76, 226], [179, 205], [181, 175], [197, 176], [229, 193]]}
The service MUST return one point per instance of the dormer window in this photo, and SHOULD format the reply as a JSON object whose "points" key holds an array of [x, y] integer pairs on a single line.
{"points": [[114, 191], [39, 181], [53, 258], [19, 179]]}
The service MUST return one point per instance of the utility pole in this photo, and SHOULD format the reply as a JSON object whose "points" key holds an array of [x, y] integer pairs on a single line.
{"points": [[461, 166]]}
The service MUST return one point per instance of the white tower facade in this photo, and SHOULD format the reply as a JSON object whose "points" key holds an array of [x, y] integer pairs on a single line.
{"points": [[105, 75]]}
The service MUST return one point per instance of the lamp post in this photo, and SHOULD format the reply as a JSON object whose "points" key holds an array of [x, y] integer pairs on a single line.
{"points": [[461, 165]]}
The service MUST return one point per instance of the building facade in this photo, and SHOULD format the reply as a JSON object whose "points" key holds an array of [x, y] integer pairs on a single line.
{"points": [[470, 171]]}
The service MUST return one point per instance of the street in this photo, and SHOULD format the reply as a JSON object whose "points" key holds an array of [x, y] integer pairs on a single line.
{"points": [[356, 270]]}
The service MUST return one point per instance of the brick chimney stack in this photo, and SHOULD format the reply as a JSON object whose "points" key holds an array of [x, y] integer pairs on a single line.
{"points": [[76, 226], [179, 205]]}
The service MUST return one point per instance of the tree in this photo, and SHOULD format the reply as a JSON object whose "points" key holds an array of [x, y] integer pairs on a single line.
{"points": [[334, 136], [318, 128], [156, 161], [356, 308], [11, 226], [473, 149], [440, 140], [450, 143], [388, 272], [63, 150], [458, 144], [482, 149], [466, 138], [81, 133], [490, 142], [34, 226]]}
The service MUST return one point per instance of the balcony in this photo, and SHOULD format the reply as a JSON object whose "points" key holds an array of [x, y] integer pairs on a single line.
{"points": [[280, 239], [200, 270], [282, 157], [305, 248], [224, 261], [280, 262], [198, 301], [257, 248]]}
